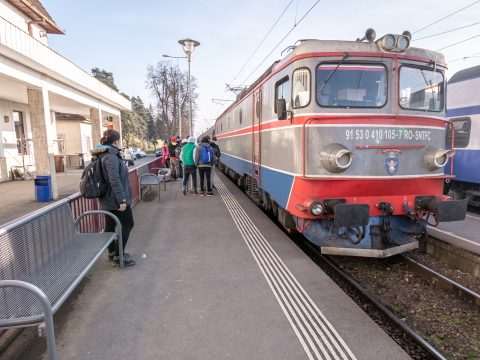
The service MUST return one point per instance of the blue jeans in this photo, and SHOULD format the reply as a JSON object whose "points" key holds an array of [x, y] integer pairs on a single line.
{"points": [[187, 171]]}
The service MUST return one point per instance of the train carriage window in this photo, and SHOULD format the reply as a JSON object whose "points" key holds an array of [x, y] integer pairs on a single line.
{"points": [[282, 91], [351, 85], [461, 133], [301, 88], [240, 116], [421, 89]]}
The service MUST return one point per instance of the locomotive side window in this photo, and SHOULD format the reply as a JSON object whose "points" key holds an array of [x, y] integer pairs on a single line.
{"points": [[421, 89], [240, 116], [301, 88], [282, 91], [461, 133], [351, 85]]}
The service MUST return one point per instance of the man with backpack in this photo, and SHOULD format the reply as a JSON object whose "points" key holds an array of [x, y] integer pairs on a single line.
{"points": [[107, 179], [189, 167], [174, 164], [205, 158], [216, 152]]}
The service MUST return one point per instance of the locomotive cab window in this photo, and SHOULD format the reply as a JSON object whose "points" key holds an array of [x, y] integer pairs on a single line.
{"points": [[282, 91], [461, 133], [351, 85], [301, 88], [421, 89]]}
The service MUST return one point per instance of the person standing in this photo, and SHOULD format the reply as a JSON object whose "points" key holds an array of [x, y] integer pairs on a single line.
{"points": [[166, 155], [173, 160], [204, 158], [189, 168], [217, 153], [118, 198]]}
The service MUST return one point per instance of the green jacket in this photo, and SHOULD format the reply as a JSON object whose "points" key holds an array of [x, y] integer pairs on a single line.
{"points": [[187, 154]]}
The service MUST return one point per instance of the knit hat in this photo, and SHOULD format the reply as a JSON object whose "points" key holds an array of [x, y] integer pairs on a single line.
{"points": [[191, 139], [173, 139]]}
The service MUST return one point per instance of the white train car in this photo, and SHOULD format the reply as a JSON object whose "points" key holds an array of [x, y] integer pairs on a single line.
{"points": [[463, 101]]}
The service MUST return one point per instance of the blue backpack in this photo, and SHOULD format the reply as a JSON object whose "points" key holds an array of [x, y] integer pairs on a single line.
{"points": [[206, 155]]}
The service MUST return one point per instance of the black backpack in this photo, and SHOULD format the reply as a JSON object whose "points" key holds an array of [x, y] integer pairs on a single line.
{"points": [[93, 184]]}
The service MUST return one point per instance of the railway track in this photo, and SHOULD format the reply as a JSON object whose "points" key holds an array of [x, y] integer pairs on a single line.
{"points": [[412, 343], [443, 281]]}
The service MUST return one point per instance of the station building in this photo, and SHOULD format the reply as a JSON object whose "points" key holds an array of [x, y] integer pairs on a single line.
{"points": [[49, 107]]}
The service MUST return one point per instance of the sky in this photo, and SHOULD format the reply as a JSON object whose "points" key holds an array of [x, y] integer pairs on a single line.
{"points": [[125, 37]]}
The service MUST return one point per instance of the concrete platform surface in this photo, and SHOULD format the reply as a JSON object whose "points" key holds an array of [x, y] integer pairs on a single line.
{"points": [[214, 279], [463, 234]]}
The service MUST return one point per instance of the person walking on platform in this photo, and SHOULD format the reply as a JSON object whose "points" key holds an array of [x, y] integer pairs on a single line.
{"points": [[189, 168], [217, 153], [166, 155], [204, 158], [173, 160], [118, 199]]}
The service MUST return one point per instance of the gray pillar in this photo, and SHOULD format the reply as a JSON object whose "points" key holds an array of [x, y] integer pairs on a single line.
{"points": [[96, 119], [117, 125], [43, 135]]}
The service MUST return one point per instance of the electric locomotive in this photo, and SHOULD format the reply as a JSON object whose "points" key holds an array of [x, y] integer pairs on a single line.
{"points": [[344, 141], [464, 113]]}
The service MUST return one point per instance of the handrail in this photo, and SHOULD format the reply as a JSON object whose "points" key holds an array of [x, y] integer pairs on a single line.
{"points": [[47, 308]]}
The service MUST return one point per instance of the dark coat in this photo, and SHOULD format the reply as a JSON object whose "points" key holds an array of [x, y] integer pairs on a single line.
{"points": [[116, 173]]}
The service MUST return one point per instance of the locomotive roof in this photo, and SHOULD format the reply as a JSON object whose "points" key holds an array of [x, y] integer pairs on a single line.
{"points": [[316, 46], [465, 74]]}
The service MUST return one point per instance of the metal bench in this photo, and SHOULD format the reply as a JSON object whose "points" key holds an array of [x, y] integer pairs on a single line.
{"points": [[43, 258], [147, 179]]}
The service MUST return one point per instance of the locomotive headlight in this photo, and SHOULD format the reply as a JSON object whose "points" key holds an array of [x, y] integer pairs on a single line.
{"points": [[316, 209], [336, 158], [388, 42], [403, 42], [436, 158]]}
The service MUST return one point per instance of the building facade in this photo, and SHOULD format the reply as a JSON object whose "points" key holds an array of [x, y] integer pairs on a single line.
{"points": [[39, 85]]}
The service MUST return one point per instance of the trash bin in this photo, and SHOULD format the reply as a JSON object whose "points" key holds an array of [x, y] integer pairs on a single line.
{"points": [[43, 188], [59, 165]]}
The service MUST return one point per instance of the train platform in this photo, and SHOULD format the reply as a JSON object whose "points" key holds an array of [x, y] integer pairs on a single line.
{"points": [[214, 279], [463, 234]]}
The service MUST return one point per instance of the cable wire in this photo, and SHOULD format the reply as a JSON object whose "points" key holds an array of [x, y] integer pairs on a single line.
{"points": [[437, 21], [464, 57], [278, 44], [459, 42], [444, 32], [262, 41]]}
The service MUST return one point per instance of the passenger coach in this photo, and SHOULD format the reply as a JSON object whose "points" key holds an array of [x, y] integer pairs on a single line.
{"points": [[344, 142]]}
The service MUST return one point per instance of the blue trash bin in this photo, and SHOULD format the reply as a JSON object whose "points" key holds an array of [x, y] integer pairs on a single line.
{"points": [[43, 188]]}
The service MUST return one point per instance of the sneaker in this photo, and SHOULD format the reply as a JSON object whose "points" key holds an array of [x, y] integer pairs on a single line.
{"points": [[112, 256], [195, 192], [126, 261], [185, 193], [210, 193], [202, 193]]}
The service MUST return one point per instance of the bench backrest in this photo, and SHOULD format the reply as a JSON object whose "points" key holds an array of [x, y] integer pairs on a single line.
{"points": [[30, 243]]}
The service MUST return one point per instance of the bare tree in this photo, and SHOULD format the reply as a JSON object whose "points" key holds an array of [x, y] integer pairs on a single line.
{"points": [[169, 87]]}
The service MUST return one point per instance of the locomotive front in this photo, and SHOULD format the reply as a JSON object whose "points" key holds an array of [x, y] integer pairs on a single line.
{"points": [[373, 145]]}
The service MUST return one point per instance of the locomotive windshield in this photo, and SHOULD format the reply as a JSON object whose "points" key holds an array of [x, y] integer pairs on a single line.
{"points": [[351, 85], [421, 89]]}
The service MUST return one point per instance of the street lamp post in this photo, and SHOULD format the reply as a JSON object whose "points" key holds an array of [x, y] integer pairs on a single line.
{"points": [[178, 92], [188, 46]]}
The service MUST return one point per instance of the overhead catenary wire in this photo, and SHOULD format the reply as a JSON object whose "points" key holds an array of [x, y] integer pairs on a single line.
{"points": [[458, 42], [447, 31], [445, 17], [465, 57], [278, 44], [262, 41]]}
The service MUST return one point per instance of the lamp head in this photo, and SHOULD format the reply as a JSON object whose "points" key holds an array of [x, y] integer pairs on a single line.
{"points": [[188, 46]]}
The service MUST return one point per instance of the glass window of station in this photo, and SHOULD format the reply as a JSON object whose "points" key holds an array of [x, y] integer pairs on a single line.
{"points": [[421, 89], [351, 85]]}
